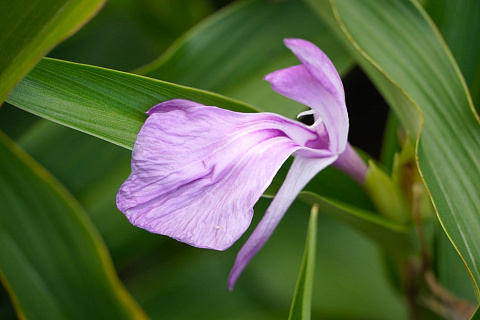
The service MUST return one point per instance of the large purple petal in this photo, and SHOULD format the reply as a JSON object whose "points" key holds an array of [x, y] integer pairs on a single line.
{"points": [[316, 84], [197, 171], [300, 173]]}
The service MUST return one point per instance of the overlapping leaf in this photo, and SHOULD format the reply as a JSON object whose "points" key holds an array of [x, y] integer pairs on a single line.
{"points": [[400, 49]]}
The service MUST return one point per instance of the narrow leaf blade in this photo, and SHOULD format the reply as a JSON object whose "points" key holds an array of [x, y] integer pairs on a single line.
{"points": [[302, 299], [108, 104]]}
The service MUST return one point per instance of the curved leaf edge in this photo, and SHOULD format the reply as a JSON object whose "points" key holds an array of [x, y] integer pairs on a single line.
{"points": [[83, 222], [357, 46]]}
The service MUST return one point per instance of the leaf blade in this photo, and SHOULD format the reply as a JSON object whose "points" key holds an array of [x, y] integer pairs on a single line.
{"points": [[302, 298], [52, 261], [31, 28], [108, 104], [398, 46]]}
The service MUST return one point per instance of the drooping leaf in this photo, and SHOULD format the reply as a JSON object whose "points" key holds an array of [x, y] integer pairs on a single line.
{"points": [[107, 104], [396, 44], [32, 27], [52, 261], [302, 298]]}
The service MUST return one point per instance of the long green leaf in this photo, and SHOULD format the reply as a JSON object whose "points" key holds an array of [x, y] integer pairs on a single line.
{"points": [[107, 104], [32, 27], [302, 299], [52, 261], [92, 170], [385, 233], [459, 22], [231, 52], [400, 49]]}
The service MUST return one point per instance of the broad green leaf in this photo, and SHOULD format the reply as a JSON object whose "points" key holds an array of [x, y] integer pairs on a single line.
{"points": [[52, 261], [107, 104], [400, 49], [302, 298], [451, 270], [32, 27], [459, 22], [92, 170], [231, 51]]}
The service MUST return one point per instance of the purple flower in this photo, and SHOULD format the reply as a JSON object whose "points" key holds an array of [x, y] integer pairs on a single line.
{"points": [[197, 171]]}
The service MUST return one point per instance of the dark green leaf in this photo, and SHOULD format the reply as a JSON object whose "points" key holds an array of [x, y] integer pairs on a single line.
{"points": [[52, 261], [459, 22], [32, 27]]}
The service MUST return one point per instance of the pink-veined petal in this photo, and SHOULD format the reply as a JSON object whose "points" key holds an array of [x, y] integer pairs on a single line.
{"points": [[316, 84], [300, 173], [197, 171]]}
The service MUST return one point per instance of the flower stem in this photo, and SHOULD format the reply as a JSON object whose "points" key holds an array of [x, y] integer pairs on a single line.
{"points": [[351, 163]]}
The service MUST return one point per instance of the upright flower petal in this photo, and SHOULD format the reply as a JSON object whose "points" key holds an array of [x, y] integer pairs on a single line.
{"points": [[300, 173], [197, 171], [316, 84]]}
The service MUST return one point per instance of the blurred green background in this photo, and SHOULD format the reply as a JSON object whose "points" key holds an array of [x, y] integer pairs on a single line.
{"points": [[171, 280]]}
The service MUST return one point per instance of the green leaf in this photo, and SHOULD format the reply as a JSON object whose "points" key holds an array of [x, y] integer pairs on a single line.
{"points": [[107, 104], [92, 170], [462, 37], [52, 261], [32, 27], [476, 315], [302, 299], [400, 49], [387, 234], [226, 55]]}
